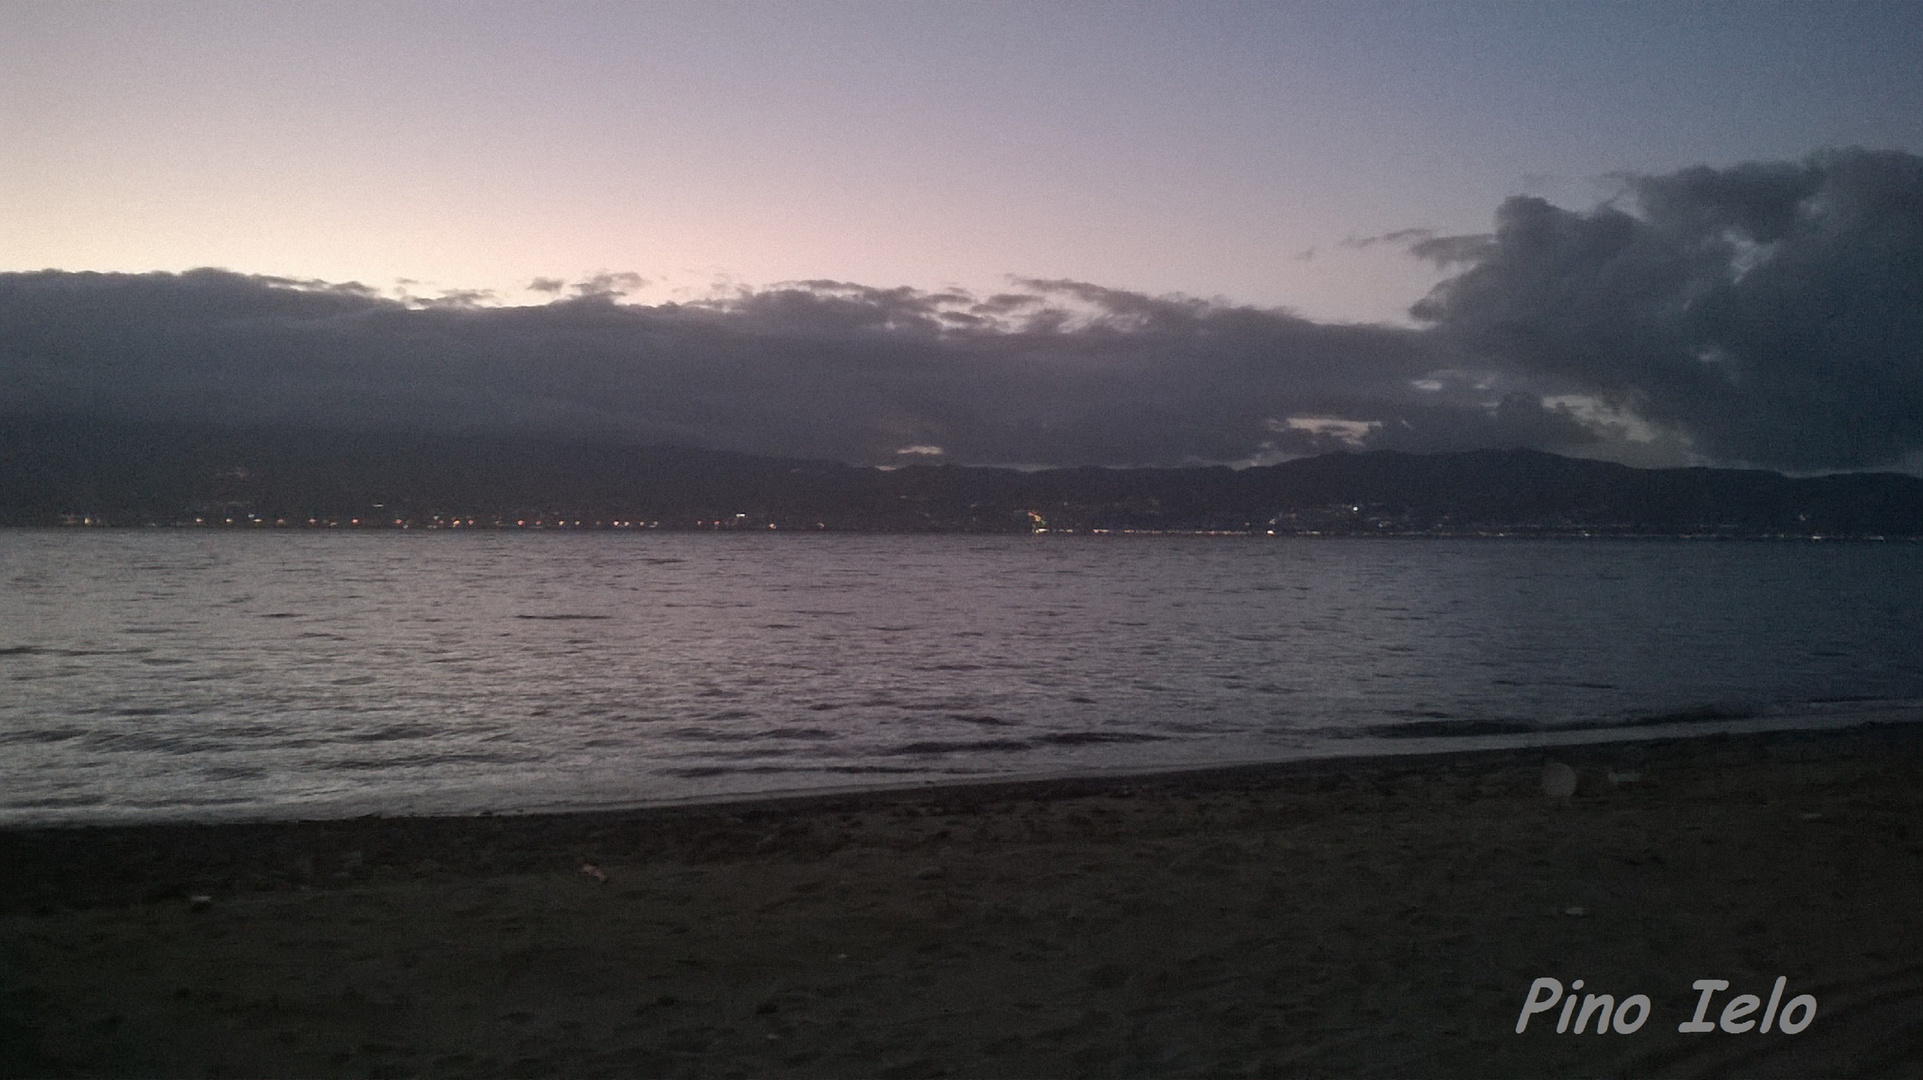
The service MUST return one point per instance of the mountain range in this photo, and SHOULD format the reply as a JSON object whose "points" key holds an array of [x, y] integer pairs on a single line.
{"points": [[67, 470]]}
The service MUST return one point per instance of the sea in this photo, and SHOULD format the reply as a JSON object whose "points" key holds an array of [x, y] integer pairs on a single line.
{"points": [[215, 674]]}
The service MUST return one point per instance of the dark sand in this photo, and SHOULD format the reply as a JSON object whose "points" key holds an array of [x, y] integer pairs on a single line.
{"points": [[1378, 917]]}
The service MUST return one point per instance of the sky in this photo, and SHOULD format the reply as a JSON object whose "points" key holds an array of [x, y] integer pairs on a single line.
{"points": [[1221, 232]]}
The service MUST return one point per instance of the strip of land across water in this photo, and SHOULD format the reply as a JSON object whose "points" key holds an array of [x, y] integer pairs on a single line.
{"points": [[1382, 917]]}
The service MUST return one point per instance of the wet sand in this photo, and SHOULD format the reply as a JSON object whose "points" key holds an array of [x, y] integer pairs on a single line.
{"points": [[1379, 917]]}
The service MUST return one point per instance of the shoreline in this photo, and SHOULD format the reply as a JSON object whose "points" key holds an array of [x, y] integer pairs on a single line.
{"points": [[1352, 916], [66, 521], [1384, 742]]}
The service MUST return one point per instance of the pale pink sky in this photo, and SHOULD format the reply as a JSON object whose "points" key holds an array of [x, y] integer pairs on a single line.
{"points": [[1208, 149]]}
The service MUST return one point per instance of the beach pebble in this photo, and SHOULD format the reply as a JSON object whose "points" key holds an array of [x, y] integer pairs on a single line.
{"points": [[1578, 912], [200, 902], [1558, 780]]}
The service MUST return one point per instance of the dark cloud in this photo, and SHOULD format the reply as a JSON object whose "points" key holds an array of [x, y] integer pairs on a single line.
{"points": [[1765, 313], [455, 298], [1398, 238], [605, 285], [1428, 245], [1052, 372], [1448, 251]]}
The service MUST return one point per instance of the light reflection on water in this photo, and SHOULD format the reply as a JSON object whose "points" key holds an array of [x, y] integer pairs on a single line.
{"points": [[203, 673]]}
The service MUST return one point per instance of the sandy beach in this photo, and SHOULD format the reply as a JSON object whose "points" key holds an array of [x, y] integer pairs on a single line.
{"points": [[1381, 917]]}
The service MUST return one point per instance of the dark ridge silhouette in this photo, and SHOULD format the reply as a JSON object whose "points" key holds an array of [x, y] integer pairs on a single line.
{"points": [[62, 470]]}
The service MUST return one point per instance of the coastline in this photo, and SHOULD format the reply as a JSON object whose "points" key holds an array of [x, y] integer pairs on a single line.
{"points": [[1399, 740], [1334, 916]]}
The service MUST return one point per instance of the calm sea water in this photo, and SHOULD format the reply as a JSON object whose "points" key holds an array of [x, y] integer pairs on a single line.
{"points": [[204, 674]]}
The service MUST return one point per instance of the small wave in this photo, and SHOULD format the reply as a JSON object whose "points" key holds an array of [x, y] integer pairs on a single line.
{"points": [[983, 719], [54, 802], [135, 742], [21, 650], [703, 772], [757, 751], [394, 733], [935, 746], [799, 733], [1425, 729], [42, 735], [174, 745], [1085, 738], [564, 617], [248, 730], [1429, 729], [196, 803], [712, 736], [415, 761], [1700, 714]]}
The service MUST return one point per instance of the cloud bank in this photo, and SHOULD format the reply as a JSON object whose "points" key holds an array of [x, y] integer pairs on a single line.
{"points": [[1049, 373], [1767, 314]]}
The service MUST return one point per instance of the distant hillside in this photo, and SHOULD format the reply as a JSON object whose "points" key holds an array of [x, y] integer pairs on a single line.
{"points": [[61, 470]]}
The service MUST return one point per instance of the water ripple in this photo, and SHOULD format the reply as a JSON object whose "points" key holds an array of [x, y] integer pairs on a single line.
{"points": [[183, 672]]}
